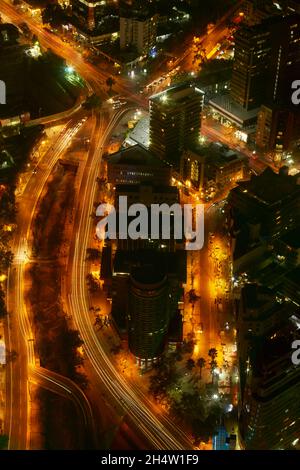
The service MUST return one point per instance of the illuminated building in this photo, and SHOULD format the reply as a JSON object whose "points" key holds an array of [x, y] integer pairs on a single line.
{"points": [[211, 165], [270, 200], [175, 120], [269, 382], [146, 292], [147, 193], [250, 66], [90, 12], [148, 313], [266, 56], [138, 30], [134, 165], [277, 128]]}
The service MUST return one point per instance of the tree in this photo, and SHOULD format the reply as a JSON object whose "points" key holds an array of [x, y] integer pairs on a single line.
{"points": [[110, 82], [3, 441], [193, 297], [54, 15], [6, 259], [190, 364], [93, 254], [201, 363], [3, 310], [188, 346], [213, 353], [213, 366]]}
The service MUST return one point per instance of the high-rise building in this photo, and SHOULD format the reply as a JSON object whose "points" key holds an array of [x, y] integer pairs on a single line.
{"points": [[284, 65], [89, 13], [147, 194], [146, 298], [175, 120], [255, 11], [138, 30], [269, 415], [266, 61], [148, 313], [250, 67], [277, 128], [270, 200]]}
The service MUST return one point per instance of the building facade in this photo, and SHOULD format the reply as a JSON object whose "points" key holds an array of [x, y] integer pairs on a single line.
{"points": [[148, 314], [250, 67], [138, 31], [90, 12], [135, 165], [175, 120], [269, 417]]}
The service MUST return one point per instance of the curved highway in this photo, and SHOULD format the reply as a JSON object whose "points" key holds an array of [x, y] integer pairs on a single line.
{"points": [[18, 333], [160, 431]]}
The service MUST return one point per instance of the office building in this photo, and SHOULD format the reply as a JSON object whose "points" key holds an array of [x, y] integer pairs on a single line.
{"points": [[277, 129], [148, 313], [147, 194], [213, 166], [89, 14], [284, 64], [138, 30], [266, 61], [250, 66], [175, 120], [134, 165], [146, 297], [269, 201], [255, 11], [269, 417]]}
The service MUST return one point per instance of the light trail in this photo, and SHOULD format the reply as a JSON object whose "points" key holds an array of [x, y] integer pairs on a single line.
{"points": [[159, 431], [23, 338]]}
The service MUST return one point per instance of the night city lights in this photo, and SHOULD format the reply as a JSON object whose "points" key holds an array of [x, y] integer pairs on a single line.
{"points": [[149, 231]]}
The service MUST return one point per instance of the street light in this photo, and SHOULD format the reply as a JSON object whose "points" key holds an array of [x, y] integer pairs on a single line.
{"points": [[69, 69]]}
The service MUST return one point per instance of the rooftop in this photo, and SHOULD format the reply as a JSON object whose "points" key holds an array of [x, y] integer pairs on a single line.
{"points": [[140, 133], [166, 262], [292, 238], [176, 95], [270, 187], [217, 154], [136, 156], [148, 274], [233, 111], [136, 188]]}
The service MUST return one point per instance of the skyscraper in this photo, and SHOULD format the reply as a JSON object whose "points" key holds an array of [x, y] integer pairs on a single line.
{"points": [[89, 13], [269, 381], [277, 127], [284, 65], [250, 67], [267, 59], [148, 313], [175, 120]]}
